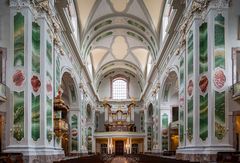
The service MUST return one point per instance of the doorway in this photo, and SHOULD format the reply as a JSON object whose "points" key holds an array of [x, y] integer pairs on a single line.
{"points": [[237, 133], [134, 148], [2, 126], [119, 147]]}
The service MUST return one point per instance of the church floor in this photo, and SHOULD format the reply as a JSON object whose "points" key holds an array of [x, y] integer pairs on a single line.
{"points": [[139, 158], [143, 159], [121, 159]]}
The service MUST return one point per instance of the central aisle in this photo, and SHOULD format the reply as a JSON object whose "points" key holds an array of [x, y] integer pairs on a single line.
{"points": [[120, 159]]}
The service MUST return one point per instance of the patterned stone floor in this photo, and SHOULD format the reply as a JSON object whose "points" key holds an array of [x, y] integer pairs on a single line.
{"points": [[119, 159]]}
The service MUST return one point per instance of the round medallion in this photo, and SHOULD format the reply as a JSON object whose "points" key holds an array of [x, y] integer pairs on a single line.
{"points": [[18, 78], [36, 83], [203, 83], [219, 78]]}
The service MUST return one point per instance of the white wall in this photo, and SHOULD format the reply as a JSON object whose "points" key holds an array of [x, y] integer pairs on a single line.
{"points": [[104, 88]]}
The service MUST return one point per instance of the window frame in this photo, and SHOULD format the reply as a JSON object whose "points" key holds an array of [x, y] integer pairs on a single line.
{"points": [[235, 77], [3, 60], [119, 77]]}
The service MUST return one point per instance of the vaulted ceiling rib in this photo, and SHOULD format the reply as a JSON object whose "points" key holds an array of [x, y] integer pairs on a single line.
{"points": [[120, 33]]}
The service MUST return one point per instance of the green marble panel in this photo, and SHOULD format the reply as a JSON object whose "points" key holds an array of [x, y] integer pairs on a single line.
{"points": [[190, 119], [35, 47], [181, 107], [49, 52], [190, 53], [164, 142], [49, 75], [203, 48], [203, 68], [164, 121], [220, 115], [203, 117], [181, 125], [18, 122], [74, 121], [74, 133], [35, 117], [219, 49], [18, 40], [182, 74], [49, 119], [57, 83]]}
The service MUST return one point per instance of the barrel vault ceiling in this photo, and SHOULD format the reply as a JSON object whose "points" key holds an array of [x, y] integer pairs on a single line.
{"points": [[119, 35]]}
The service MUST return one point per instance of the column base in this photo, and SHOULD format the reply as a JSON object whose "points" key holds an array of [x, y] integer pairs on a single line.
{"points": [[37, 154], [84, 151], [201, 153], [156, 150]]}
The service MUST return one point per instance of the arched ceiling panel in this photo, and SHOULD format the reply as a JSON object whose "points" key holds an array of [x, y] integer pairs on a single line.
{"points": [[84, 8], [119, 47], [119, 6], [154, 8], [102, 9], [97, 56], [136, 10], [142, 55]]}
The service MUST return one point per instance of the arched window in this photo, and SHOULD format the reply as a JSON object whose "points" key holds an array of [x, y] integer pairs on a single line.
{"points": [[119, 88]]}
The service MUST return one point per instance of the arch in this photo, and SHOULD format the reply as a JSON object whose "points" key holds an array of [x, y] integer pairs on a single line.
{"points": [[170, 98], [170, 80], [69, 88]]}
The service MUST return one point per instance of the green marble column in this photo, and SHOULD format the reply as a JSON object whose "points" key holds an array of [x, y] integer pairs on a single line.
{"points": [[190, 86], [74, 133], [219, 77], [203, 81], [18, 77], [35, 81]]}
